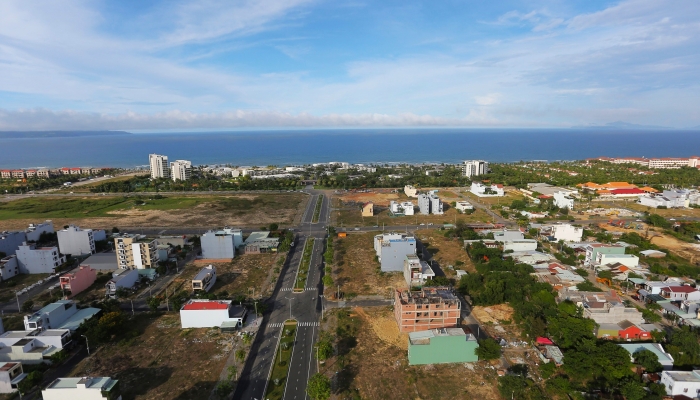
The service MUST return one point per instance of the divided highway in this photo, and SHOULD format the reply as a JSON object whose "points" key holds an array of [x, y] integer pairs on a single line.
{"points": [[304, 307]]}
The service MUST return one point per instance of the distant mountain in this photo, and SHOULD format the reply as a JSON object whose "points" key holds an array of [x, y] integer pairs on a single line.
{"points": [[47, 134], [621, 125]]}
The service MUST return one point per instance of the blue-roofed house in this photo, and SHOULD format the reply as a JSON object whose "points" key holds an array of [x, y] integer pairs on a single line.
{"points": [[63, 314], [665, 359]]}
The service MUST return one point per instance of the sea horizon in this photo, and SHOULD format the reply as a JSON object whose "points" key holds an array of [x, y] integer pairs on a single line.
{"points": [[386, 145]]}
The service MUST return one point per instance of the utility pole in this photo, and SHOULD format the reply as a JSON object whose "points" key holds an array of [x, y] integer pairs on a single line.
{"points": [[256, 309], [132, 307], [87, 344], [19, 309]]}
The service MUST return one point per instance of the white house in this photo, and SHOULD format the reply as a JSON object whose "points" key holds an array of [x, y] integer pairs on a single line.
{"points": [[211, 313], [32, 347], [416, 272], [11, 374], [85, 388], [205, 279], [482, 190], [686, 383], [463, 206], [405, 208], [680, 293], [62, 314], [628, 260], [76, 241], [563, 200], [504, 235], [565, 232], [42, 260]]}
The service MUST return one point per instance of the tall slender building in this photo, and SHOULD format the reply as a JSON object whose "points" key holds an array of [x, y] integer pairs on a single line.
{"points": [[180, 170], [474, 168], [159, 166]]}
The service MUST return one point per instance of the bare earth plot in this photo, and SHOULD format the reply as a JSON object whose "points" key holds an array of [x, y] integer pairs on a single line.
{"points": [[356, 270], [176, 211], [683, 249], [498, 321], [446, 251], [377, 367], [164, 362], [346, 212]]}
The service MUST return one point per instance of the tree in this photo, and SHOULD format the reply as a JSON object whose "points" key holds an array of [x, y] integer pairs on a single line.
{"points": [[153, 303], [272, 227], [633, 390], [240, 355], [325, 347], [33, 378], [327, 281], [650, 317], [115, 230], [488, 349], [438, 281], [648, 360], [319, 387], [27, 306]]}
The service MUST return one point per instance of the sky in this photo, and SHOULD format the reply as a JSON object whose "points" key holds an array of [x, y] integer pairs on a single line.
{"points": [[182, 65]]}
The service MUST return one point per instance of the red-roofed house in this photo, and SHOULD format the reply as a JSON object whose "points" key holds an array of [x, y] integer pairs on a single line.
{"points": [[75, 171], [17, 173], [5, 174], [65, 171], [211, 314], [543, 341], [680, 293], [631, 331]]}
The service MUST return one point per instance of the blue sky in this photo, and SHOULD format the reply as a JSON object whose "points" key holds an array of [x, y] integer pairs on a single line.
{"points": [[138, 65]]}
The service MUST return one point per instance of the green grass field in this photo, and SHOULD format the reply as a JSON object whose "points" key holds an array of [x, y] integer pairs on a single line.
{"points": [[49, 207]]}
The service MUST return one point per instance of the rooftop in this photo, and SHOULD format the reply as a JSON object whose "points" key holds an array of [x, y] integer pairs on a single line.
{"points": [[423, 337], [207, 305], [653, 347], [99, 383], [684, 376]]}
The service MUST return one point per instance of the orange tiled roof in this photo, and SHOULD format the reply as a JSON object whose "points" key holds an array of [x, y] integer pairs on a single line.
{"points": [[649, 189]]}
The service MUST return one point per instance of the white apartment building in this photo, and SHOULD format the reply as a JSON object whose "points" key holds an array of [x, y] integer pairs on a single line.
{"points": [[10, 241], [42, 260], [221, 244], [430, 204], [76, 241], [563, 200], [668, 198], [628, 260], [159, 166], [416, 272], [63, 314], [135, 251], [34, 231], [9, 267], [410, 191], [181, 170], [668, 162], [85, 388], [474, 168]]}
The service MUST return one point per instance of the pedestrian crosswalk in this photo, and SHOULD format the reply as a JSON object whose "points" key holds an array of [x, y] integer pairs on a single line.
{"points": [[304, 324], [288, 289]]}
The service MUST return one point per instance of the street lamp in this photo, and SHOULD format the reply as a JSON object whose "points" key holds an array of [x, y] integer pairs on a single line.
{"points": [[87, 344]]}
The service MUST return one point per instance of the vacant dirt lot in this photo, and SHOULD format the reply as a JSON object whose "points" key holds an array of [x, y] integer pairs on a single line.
{"points": [[247, 274], [683, 249], [446, 251], [378, 198], [498, 321], [164, 362], [356, 270], [377, 368], [200, 211]]}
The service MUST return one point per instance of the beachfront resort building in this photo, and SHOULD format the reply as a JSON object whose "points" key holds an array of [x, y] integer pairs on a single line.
{"points": [[472, 168], [159, 166], [181, 170]]}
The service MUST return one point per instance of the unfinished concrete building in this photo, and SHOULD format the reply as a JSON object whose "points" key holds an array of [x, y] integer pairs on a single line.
{"points": [[430, 308]]}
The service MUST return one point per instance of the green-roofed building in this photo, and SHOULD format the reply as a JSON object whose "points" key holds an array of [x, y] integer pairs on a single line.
{"points": [[441, 346]]}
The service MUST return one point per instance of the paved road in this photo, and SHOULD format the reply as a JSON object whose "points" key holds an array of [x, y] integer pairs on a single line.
{"points": [[305, 309]]}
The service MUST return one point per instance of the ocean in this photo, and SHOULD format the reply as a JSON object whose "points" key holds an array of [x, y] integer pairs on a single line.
{"points": [[262, 148]]}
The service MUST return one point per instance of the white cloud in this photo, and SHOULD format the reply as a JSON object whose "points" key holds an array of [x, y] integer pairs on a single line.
{"points": [[488, 99]]}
